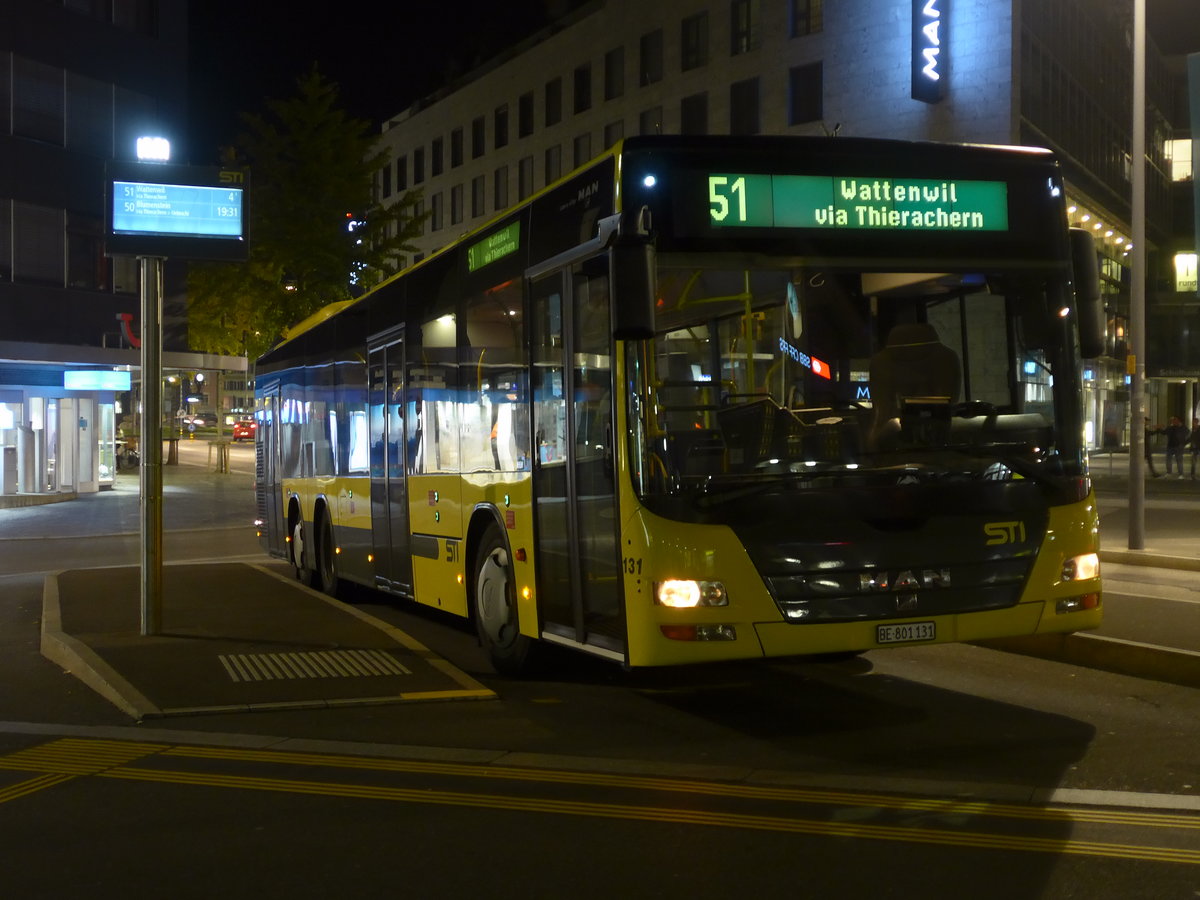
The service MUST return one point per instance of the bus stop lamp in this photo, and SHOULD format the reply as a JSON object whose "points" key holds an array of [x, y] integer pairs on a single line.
{"points": [[153, 149]]}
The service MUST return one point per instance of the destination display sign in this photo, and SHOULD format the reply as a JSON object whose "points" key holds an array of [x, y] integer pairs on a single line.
{"points": [[853, 202], [495, 246]]}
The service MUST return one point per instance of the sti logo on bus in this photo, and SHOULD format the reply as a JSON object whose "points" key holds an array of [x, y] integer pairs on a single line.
{"points": [[928, 49], [1004, 532]]}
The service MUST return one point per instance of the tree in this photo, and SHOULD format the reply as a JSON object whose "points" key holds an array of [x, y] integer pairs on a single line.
{"points": [[316, 233]]}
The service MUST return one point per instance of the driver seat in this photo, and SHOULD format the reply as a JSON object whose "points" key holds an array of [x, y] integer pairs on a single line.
{"points": [[913, 366]]}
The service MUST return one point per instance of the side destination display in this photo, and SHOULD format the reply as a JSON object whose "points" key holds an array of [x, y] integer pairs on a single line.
{"points": [[851, 202]]}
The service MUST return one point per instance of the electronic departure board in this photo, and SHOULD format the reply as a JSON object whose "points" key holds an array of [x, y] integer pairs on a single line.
{"points": [[189, 212]]}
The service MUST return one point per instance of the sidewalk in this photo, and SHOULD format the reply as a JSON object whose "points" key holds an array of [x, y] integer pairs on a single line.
{"points": [[248, 637]]}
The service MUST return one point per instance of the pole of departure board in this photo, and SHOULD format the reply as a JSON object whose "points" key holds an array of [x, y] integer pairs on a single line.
{"points": [[1137, 293], [151, 483]]}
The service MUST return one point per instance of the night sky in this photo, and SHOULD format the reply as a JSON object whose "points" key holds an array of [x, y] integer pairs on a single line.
{"points": [[383, 57]]}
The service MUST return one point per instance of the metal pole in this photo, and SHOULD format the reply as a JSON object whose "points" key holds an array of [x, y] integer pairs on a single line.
{"points": [[1137, 299], [151, 460]]}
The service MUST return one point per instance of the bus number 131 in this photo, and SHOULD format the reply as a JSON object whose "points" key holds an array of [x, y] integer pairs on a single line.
{"points": [[721, 192]]}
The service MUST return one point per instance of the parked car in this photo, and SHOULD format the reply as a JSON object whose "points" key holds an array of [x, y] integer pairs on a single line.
{"points": [[244, 430]]}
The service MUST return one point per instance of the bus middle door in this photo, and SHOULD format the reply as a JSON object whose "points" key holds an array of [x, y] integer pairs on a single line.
{"points": [[389, 493], [574, 481]]}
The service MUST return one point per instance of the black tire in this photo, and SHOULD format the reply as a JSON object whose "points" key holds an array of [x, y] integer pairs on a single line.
{"points": [[297, 548], [324, 576], [494, 607]]}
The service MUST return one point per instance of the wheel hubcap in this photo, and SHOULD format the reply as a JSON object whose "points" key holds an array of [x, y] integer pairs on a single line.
{"points": [[495, 613]]}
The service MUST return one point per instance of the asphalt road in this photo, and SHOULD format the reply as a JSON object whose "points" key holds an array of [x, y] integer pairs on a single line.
{"points": [[917, 772]]}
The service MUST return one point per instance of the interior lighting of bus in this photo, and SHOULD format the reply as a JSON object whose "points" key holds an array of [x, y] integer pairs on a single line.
{"points": [[854, 202]]}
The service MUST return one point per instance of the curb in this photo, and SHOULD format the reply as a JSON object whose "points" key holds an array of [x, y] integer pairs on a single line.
{"points": [[1115, 655], [1150, 558]]}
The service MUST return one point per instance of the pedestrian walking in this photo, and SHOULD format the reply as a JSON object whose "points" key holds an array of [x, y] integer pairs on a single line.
{"points": [[1177, 436], [1194, 441], [1150, 432]]}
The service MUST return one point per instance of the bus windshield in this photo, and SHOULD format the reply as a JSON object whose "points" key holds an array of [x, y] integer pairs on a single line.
{"points": [[768, 373]]}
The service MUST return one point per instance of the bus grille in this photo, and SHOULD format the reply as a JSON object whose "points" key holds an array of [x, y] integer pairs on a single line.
{"points": [[822, 598]]}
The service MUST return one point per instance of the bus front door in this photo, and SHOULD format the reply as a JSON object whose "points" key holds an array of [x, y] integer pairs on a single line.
{"points": [[579, 583], [389, 495]]}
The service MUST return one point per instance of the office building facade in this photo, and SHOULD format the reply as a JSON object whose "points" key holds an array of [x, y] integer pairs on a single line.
{"points": [[1054, 73]]}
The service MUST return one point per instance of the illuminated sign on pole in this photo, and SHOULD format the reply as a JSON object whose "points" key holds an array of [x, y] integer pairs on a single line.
{"points": [[188, 212], [929, 49]]}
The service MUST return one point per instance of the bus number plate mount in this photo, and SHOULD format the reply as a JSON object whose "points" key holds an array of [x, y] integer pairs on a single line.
{"points": [[909, 631]]}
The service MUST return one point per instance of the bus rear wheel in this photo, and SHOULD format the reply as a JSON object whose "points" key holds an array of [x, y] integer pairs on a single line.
{"points": [[325, 577], [495, 607]]}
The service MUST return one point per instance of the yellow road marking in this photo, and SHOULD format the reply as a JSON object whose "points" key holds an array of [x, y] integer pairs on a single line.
{"points": [[948, 806], [67, 758], [658, 814], [32, 786]]}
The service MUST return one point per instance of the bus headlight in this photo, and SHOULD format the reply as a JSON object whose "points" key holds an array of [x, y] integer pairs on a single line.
{"points": [[1079, 568], [687, 594]]}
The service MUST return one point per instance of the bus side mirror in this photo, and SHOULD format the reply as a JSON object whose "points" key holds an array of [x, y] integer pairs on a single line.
{"points": [[634, 287], [1089, 307]]}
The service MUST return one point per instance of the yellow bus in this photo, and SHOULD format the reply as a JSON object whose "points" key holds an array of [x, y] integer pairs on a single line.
{"points": [[712, 398]]}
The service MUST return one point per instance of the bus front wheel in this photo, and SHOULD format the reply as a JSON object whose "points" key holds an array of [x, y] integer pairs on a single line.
{"points": [[496, 619], [298, 549]]}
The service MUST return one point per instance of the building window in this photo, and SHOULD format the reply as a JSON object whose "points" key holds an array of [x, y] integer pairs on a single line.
{"points": [[743, 107], [6, 95], [583, 88], [613, 132], [436, 157], [456, 148], [435, 212], [805, 90], [553, 101], [86, 267], [650, 121], [385, 178], [37, 102], [500, 127], [402, 174], [614, 73], [89, 113], [5, 239], [500, 189], [807, 17], [582, 149], [456, 204], [553, 163], [1179, 154], [525, 115], [650, 57], [743, 26], [478, 196], [693, 114], [524, 178], [38, 235], [693, 40], [419, 165], [478, 137]]}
